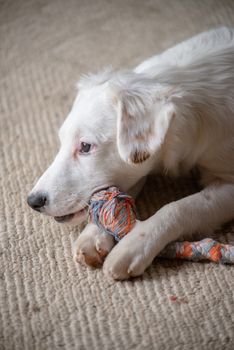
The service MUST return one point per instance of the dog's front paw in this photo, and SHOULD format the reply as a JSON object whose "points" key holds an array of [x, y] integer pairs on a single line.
{"points": [[92, 246], [131, 256]]}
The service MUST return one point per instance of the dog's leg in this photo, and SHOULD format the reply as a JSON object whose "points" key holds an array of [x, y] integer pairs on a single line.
{"points": [[200, 212], [92, 246]]}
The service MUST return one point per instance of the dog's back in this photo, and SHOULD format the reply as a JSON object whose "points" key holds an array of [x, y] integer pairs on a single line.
{"points": [[192, 52], [200, 72]]}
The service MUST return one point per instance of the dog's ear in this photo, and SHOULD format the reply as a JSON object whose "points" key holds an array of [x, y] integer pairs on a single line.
{"points": [[142, 124]]}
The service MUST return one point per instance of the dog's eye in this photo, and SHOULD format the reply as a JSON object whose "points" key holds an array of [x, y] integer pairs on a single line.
{"points": [[85, 147]]}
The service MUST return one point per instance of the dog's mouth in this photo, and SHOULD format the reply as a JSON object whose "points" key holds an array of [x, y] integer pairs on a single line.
{"points": [[80, 214], [69, 217]]}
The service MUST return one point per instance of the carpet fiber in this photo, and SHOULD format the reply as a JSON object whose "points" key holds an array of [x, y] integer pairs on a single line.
{"points": [[46, 301]]}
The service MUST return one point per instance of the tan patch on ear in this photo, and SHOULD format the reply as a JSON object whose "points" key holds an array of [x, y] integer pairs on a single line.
{"points": [[144, 136], [139, 156], [140, 137]]}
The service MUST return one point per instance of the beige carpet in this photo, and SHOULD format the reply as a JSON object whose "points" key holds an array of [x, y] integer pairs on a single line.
{"points": [[46, 302]]}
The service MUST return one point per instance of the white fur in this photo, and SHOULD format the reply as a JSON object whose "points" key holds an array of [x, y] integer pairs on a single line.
{"points": [[175, 109]]}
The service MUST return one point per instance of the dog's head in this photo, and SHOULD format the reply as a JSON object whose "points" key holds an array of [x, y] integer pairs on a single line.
{"points": [[110, 137]]}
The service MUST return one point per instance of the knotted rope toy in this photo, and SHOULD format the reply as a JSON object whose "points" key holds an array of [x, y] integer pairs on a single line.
{"points": [[115, 212]]}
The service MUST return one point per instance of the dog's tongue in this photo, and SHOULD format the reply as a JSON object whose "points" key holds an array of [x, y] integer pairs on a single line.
{"points": [[63, 218]]}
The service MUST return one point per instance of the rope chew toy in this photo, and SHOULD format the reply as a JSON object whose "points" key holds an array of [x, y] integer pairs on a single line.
{"points": [[115, 212], [206, 249]]}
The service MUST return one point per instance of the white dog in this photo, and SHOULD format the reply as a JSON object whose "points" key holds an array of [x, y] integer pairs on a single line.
{"points": [[173, 112]]}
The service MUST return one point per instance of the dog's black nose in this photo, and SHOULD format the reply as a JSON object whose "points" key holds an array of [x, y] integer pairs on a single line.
{"points": [[37, 201]]}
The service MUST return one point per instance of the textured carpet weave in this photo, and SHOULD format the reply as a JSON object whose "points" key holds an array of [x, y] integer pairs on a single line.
{"points": [[46, 301]]}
